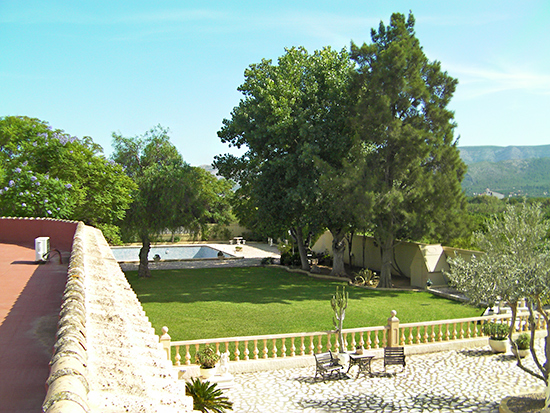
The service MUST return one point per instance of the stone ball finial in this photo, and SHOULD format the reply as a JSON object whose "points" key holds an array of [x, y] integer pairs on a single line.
{"points": [[393, 313], [164, 330]]}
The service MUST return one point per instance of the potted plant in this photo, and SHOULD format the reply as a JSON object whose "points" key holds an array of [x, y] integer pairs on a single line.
{"points": [[207, 359], [359, 349], [498, 333], [522, 342]]}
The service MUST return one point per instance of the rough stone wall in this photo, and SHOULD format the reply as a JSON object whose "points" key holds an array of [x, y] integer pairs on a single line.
{"points": [[107, 357]]}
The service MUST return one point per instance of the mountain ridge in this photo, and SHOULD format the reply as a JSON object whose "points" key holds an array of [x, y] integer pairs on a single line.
{"points": [[474, 154]]}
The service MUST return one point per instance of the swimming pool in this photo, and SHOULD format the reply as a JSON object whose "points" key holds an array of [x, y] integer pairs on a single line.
{"points": [[169, 253]]}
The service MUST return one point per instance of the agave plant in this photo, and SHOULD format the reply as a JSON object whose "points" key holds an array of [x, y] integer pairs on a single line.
{"points": [[206, 397]]}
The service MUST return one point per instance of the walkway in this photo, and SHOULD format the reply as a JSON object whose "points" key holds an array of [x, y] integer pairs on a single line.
{"points": [[451, 381], [30, 297]]}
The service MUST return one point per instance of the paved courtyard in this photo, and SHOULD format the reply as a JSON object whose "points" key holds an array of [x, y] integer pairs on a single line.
{"points": [[473, 380]]}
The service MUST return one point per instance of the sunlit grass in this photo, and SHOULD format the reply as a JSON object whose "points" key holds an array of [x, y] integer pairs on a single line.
{"points": [[226, 302]]}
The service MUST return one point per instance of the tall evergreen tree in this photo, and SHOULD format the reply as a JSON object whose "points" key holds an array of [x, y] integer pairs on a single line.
{"points": [[414, 170]]}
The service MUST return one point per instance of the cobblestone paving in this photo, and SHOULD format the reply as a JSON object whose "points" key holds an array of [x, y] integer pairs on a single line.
{"points": [[451, 381]]}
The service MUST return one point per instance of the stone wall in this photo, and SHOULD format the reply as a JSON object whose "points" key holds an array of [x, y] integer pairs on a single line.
{"points": [[107, 357]]}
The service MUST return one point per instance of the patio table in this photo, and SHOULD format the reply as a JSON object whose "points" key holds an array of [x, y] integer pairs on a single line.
{"points": [[363, 361]]}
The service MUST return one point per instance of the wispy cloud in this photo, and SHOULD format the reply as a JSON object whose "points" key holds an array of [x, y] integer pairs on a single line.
{"points": [[480, 81]]}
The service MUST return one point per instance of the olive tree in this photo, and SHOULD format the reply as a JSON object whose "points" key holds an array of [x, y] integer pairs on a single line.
{"points": [[515, 264]]}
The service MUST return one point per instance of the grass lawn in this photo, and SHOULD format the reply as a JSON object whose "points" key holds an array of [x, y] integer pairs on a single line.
{"points": [[227, 302]]}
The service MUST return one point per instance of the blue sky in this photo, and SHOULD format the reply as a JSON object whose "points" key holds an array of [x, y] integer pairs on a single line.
{"points": [[97, 67]]}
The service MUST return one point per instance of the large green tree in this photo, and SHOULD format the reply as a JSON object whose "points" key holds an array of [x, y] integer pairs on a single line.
{"points": [[170, 194], [515, 264], [48, 173], [414, 170], [293, 121]]}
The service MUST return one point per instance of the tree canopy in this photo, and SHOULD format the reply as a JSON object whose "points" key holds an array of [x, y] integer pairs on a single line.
{"points": [[170, 194], [45, 172], [515, 264], [293, 120], [414, 169]]}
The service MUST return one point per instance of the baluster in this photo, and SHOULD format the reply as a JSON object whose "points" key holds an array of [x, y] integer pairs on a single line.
{"points": [[218, 349], [454, 331], [283, 348], [411, 338], [329, 344], [311, 345], [361, 341], [432, 335], [265, 350], [246, 351], [468, 331], [197, 350], [474, 330], [402, 336], [178, 357], [320, 345], [426, 328], [440, 333], [292, 347], [237, 352], [461, 330], [418, 336], [256, 352], [187, 355], [302, 346], [376, 341], [353, 343], [337, 343], [447, 333], [274, 349], [369, 342]]}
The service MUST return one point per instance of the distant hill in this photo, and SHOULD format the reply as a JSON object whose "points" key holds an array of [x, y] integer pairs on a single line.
{"points": [[517, 177], [474, 154]]}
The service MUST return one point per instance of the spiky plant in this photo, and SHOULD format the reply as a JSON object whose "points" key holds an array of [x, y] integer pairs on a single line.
{"points": [[206, 397]]}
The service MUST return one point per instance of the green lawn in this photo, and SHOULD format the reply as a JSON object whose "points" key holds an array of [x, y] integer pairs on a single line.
{"points": [[226, 302]]}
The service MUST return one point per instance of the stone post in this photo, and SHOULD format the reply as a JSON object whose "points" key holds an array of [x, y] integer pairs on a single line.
{"points": [[165, 341], [393, 330]]}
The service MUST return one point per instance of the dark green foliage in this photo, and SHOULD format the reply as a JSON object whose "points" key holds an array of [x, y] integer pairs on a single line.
{"points": [[293, 120], [45, 172], [169, 190], [412, 166], [290, 259], [206, 397], [496, 331], [523, 341]]}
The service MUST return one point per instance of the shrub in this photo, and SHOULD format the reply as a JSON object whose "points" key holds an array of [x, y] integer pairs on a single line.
{"points": [[497, 331], [207, 358], [267, 260], [523, 341]]}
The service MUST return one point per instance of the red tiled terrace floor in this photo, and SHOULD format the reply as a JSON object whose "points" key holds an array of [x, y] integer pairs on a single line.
{"points": [[30, 298]]}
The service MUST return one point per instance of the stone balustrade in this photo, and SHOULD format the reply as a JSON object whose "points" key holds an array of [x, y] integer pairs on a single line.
{"points": [[370, 338]]}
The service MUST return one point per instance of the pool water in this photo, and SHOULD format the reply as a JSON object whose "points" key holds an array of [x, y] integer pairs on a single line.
{"points": [[169, 253]]}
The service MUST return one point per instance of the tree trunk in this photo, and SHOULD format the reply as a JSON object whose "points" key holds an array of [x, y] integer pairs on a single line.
{"points": [[299, 238], [143, 270], [387, 256], [338, 248]]}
